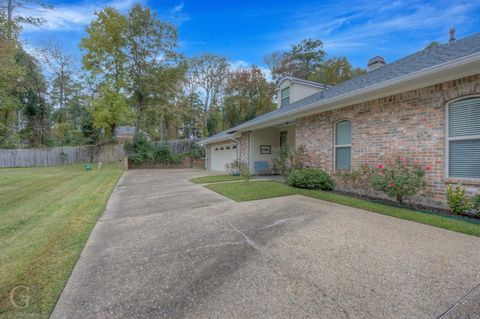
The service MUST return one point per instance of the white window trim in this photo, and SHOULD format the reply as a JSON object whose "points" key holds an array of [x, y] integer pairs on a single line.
{"points": [[456, 138], [286, 97], [335, 146]]}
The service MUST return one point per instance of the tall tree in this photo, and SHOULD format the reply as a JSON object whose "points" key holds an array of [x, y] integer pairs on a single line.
{"points": [[9, 8], [334, 71], [109, 109], [150, 50], [60, 66], [209, 72], [11, 78], [307, 60], [135, 55], [36, 111], [105, 45], [248, 94], [300, 61]]}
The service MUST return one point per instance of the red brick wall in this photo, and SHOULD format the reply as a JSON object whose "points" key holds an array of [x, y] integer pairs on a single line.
{"points": [[244, 147], [410, 124]]}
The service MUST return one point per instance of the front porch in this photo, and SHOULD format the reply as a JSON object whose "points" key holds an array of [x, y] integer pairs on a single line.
{"points": [[260, 147]]}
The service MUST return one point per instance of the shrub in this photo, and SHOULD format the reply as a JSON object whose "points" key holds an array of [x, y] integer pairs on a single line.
{"points": [[234, 167], [141, 151], [245, 173], [358, 180], [310, 178], [458, 202], [197, 151], [399, 180], [286, 160], [476, 203]]}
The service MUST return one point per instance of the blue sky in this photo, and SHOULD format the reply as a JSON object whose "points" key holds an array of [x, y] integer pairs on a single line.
{"points": [[245, 31]]}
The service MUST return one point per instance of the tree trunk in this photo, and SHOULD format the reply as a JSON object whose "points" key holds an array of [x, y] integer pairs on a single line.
{"points": [[9, 18], [137, 124], [207, 97]]}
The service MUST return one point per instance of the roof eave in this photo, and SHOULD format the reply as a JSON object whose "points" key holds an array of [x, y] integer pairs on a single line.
{"points": [[455, 69], [301, 81]]}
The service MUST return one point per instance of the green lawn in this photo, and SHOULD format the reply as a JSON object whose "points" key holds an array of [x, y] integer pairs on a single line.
{"points": [[46, 217], [215, 179], [267, 189]]}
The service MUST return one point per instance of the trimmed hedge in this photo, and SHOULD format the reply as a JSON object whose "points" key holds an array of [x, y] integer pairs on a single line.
{"points": [[310, 178]]}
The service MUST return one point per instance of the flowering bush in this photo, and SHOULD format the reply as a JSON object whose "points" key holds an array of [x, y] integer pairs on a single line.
{"points": [[357, 180], [399, 180]]}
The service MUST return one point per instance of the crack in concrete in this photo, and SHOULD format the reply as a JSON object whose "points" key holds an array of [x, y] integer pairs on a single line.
{"points": [[291, 274], [249, 241]]}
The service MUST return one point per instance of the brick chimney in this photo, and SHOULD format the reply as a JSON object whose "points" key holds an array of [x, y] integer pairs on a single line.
{"points": [[452, 36], [375, 63]]}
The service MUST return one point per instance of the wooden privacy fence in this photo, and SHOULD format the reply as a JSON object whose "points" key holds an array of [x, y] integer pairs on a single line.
{"points": [[51, 156], [179, 146]]}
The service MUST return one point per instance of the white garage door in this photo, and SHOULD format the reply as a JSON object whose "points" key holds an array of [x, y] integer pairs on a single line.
{"points": [[223, 155]]}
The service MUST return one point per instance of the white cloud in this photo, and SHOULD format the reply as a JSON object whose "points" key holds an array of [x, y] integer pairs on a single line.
{"points": [[178, 7], [345, 26], [177, 15], [72, 17]]}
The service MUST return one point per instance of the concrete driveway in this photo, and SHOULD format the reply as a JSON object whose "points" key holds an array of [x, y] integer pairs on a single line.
{"points": [[166, 248]]}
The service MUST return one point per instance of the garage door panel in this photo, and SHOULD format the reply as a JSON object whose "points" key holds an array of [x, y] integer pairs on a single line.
{"points": [[221, 156]]}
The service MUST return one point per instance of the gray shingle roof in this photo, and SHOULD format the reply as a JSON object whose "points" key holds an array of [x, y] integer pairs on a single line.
{"points": [[413, 63]]}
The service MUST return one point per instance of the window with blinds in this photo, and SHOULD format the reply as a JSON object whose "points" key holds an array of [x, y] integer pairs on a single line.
{"points": [[464, 138], [343, 145]]}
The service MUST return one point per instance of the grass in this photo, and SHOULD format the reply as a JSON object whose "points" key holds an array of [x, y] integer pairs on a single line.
{"points": [[268, 189], [215, 179], [47, 215]]}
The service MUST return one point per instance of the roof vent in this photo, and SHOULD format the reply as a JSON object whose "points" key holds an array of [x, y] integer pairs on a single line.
{"points": [[452, 36], [375, 63]]}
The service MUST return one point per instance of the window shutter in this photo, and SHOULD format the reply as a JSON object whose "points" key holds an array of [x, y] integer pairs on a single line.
{"points": [[464, 118]]}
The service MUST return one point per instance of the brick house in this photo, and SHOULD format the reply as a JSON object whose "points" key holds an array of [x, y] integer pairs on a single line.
{"points": [[425, 107]]}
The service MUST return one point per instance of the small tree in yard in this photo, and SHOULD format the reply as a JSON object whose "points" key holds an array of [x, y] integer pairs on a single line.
{"points": [[399, 180], [246, 173], [286, 160]]}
